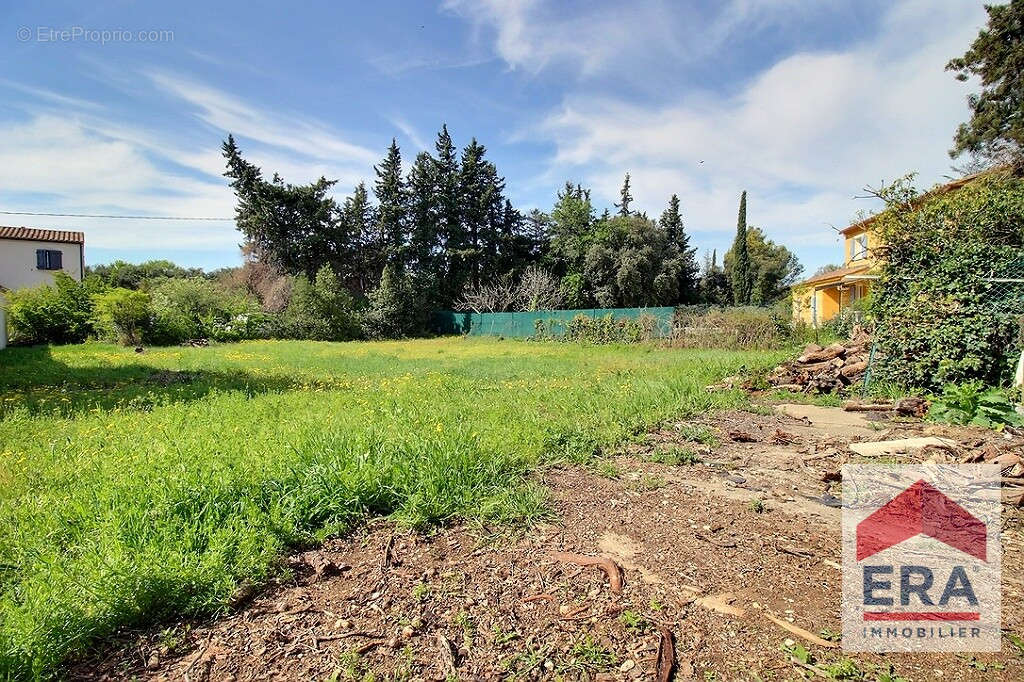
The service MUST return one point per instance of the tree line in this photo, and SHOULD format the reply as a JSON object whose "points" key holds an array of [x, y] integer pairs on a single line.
{"points": [[445, 235]]}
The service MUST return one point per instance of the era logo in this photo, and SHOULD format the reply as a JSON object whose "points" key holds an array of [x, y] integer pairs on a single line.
{"points": [[920, 570], [917, 581]]}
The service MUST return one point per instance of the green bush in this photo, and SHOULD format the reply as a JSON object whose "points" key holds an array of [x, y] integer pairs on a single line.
{"points": [[857, 313], [745, 327], [971, 403], [399, 307], [610, 329], [321, 310], [193, 308], [123, 313], [938, 318], [51, 313]]}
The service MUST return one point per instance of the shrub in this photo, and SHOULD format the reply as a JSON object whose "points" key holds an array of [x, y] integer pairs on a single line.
{"points": [[939, 319], [321, 310], [52, 313], [193, 308], [399, 307], [124, 313], [971, 403], [857, 313], [739, 328], [609, 329]]}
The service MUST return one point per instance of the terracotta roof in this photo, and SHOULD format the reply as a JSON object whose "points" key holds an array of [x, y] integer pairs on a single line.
{"points": [[942, 189], [837, 274], [39, 235]]}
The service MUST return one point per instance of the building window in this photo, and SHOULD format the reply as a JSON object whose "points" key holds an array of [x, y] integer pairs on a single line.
{"points": [[860, 247], [49, 259]]}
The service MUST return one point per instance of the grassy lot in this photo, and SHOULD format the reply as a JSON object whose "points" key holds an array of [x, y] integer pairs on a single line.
{"points": [[137, 487]]}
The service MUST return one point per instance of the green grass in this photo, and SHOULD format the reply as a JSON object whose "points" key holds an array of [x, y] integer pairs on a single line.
{"points": [[136, 488]]}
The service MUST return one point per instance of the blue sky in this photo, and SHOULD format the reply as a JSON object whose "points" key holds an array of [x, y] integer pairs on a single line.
{"points": [[800, 102]]}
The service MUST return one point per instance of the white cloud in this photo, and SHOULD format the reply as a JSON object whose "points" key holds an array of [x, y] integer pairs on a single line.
{"points": [[77, 157], [598, 38], [290, 131], [804, 136]]}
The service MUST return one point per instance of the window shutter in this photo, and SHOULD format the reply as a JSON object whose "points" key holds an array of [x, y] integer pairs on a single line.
{"points": [[56, 260], [41, 259]]}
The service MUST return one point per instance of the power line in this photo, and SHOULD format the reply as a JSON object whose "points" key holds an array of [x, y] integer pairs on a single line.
{"points": [[121, 217]]}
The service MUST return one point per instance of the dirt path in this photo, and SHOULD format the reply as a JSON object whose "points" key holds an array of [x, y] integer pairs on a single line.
{"points": [[736, 555]]}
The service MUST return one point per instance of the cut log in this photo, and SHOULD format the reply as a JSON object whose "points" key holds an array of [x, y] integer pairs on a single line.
{"points": [[853, 369]]}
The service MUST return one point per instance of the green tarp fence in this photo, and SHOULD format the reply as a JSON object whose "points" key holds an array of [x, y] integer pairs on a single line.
{"points": [[524, 325]]}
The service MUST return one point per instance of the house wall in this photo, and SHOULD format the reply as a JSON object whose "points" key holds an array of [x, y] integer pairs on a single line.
{"points": [[819, 305], [803, 304], [18, 262], [18, 269], [848, 251]]}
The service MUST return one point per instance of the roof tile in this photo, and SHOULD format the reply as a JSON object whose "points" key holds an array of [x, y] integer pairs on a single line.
{"points": [[40, 235]]}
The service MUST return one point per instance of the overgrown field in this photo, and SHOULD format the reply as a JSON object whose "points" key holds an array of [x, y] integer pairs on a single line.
{"points": [[136, 487]]}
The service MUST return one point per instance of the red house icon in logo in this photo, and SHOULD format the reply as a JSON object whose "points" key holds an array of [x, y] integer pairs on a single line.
{"points": [[921, 509]]}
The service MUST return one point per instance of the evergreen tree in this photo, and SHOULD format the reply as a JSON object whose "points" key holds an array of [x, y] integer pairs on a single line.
{"points": [[741, 271], [424, 237], [391, 208], [996, 129], [295, 227], [773, 268], [358, 216], [625, 198], [480, 195], [714, 284], [572, 220], [451, 234], [672, 222], [536, 232]]}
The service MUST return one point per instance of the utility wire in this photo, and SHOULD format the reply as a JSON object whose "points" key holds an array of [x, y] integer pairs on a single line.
{"points": [[96, 215]]}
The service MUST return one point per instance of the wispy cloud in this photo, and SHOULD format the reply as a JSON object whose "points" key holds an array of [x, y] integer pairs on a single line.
{"points": [[78, 157], [804, 136], [289, 131], [409, 132]]}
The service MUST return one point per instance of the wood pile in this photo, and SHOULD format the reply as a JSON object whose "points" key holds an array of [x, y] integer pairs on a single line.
{"points": [[828, 369]]}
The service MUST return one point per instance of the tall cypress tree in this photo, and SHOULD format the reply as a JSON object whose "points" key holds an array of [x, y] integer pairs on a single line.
{"points": [[391, 206], [741, 271], [672, 222], [625, 198]]}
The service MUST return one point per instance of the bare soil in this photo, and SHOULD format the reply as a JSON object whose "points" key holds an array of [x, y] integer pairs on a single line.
{"points": [[737, 556]]}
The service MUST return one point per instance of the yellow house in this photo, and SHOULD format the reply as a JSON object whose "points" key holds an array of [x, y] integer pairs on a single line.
{"points": [[822, 297]]}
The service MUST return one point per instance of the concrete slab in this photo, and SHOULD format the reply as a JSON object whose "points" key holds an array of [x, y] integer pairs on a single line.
{"points": [[830, 420], [902, 446]]}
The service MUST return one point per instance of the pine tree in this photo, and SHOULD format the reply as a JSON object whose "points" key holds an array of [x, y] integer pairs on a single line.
{"points": [[714, 285], [391, 207], [672, 222], [537, 232], [424, 235], [357, 214], [625, 198], [295, 227], [451, 233], [741, 277], [995, 60], [480, 195]]}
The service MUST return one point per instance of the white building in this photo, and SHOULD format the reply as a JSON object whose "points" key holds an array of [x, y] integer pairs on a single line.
{"points": [[30, 257]]}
